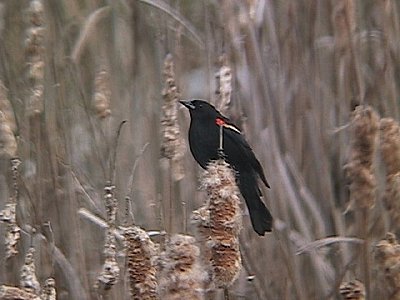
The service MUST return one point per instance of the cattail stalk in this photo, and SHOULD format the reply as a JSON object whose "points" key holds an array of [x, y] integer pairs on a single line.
{"points": [[141, 255], [225, 221], [181, 274], [387, 255], [34, 49]]}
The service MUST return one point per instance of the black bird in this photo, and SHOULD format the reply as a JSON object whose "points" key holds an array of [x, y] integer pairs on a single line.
{"points": [[204, 136]]}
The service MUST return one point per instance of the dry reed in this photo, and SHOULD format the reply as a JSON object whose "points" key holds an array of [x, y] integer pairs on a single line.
{"points": [[181, 274]]}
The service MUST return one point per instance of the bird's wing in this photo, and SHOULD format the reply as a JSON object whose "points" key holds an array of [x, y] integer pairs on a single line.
{"points": [[232, 132]]}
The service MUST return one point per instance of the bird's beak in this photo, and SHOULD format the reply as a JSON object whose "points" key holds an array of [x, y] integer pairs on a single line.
{"points": [[187, 103]]}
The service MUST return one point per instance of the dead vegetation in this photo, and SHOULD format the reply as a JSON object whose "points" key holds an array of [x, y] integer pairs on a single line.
{"points": [[314, 86]]}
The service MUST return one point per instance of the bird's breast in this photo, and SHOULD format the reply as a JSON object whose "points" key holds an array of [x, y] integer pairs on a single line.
{"points": [[204, 142]]}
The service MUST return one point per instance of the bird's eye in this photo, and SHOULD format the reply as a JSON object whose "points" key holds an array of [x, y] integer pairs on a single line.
{"points": [[201, 105]]}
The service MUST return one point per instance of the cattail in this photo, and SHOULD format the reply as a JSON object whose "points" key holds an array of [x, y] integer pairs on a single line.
{"points": [[49, 290], [110, 203], [8, 143], [391, 199], [110, 271], [387, 255], [15, 293], [172, 144], [360, 169], [181, 274], [390, 145], [6, 109], [224, 84], [102, 94], [390, 151], [28, 279], [352, 290], [200, 218], [8, 214], [141, 255], [225, 222], [34, 49], [13, 232]]}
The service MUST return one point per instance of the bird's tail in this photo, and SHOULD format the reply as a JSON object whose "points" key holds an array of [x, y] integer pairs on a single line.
{"points": [[260, 217]]}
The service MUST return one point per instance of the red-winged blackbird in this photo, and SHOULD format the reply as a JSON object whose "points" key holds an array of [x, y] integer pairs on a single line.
{"points": [[204, 139]]}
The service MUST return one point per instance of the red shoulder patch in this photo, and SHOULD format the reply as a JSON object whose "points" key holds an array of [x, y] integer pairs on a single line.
{"points": [[220, 122]]}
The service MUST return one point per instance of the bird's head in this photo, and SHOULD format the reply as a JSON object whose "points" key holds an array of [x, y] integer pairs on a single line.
{"points": [[200, 109]]}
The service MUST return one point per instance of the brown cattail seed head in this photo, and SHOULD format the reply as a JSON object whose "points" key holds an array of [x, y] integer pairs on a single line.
{"points": [[36, 12], [225, 222], [12, 235], [387, 255], [360, 169], [200, 218], [13, 293], [392, 199], [352, 290], [390, 151], [8, 143], [34, 51], [28, 279], [111, 204], [390, 145], [141, 253], [181, 275], [172, 144], [49, 290], [110, 272], [102, 94], [6, 109]]}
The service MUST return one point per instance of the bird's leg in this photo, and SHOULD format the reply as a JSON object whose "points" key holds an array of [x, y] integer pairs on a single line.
{"points": [[221, 153]]}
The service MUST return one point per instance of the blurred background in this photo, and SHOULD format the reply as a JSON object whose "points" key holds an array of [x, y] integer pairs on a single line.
{"points": [[74, 70]]}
